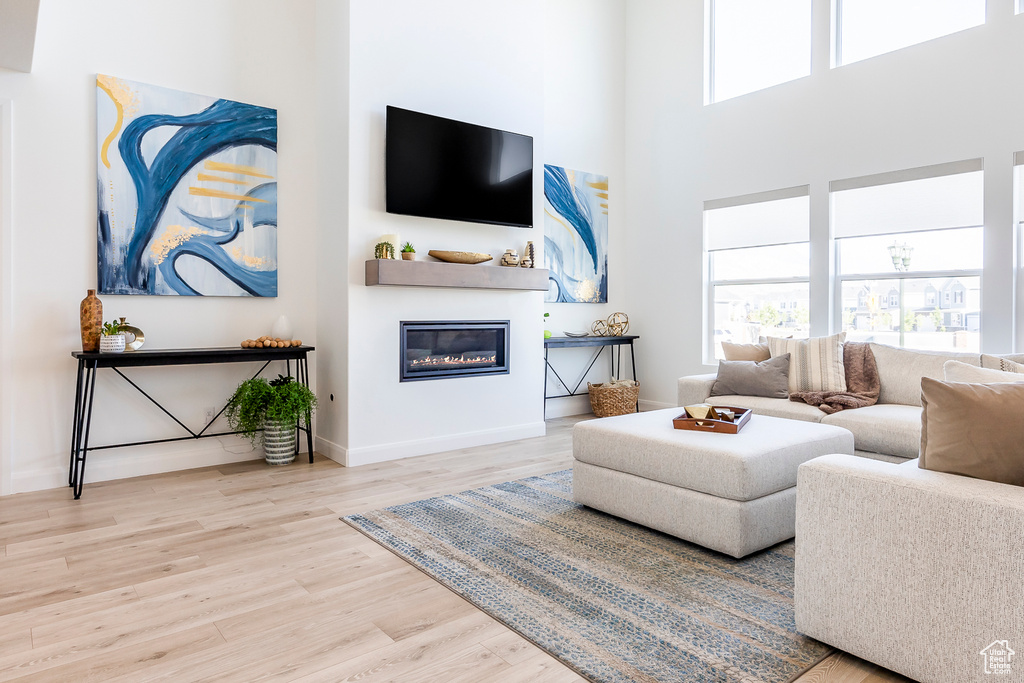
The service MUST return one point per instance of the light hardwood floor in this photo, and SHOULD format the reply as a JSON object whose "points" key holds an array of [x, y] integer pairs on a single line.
{"points": [[244, 572]]}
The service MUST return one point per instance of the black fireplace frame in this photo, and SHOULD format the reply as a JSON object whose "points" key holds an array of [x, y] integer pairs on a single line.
{"points": [[449, 325]]}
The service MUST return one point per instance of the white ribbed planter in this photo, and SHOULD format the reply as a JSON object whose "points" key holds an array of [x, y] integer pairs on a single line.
{"points": [[279, 442], [113, 343]]}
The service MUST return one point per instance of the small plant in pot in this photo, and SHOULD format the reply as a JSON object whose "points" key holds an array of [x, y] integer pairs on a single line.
{"points": [[408, 252], [275, 407], [112, 340]]}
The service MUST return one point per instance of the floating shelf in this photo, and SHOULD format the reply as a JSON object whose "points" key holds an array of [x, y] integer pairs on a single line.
{"points": [[438, 274]]}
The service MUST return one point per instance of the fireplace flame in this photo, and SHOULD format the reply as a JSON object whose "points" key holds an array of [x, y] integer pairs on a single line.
{"points": [[434, 361]]}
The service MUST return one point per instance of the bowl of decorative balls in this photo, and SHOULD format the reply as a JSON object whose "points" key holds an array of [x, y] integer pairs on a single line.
{"points": [[267, 342]]}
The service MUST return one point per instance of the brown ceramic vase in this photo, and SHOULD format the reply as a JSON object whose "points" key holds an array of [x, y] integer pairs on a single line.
{"points": [[91, 314]]}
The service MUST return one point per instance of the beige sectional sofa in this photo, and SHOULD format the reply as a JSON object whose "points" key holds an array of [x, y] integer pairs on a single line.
{"points": [[890, 430]]}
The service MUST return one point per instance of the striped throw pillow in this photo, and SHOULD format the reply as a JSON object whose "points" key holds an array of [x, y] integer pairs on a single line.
{"points": [[815, 364]]}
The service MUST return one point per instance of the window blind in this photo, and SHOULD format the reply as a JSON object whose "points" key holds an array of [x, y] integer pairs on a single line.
{"points": [[757, 220]]}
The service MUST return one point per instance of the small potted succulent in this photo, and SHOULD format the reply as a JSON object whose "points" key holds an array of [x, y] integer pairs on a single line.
{"points": [[408, 252], [273, 409], [112, 339]]}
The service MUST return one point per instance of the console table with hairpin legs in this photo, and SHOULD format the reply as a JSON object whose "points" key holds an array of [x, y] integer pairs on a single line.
{"points": [[85, 389], [600, 343]]}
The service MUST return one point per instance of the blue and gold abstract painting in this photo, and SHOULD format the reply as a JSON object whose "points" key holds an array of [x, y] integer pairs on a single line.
{"points": [[187, 189], [575, 235]]}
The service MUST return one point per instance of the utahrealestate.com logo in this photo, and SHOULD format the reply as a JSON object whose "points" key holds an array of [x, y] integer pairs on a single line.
{"points": [[998, 657]]}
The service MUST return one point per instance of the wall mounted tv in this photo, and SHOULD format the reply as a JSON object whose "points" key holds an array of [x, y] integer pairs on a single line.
{"points": [[440, 168]]}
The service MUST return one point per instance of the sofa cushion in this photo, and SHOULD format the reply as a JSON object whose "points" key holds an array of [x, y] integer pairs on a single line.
{"points": [[772, 407], [815, 364], [1004, 363], [892, 429], [955, 371], [974, 430], [746, 351], [900, 371], [768, 378]]}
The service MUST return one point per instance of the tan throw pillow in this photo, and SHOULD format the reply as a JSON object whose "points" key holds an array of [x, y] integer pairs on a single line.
{"points": [[754, 352], [955, 371], [973, 429], [768, 378], [1000, 363], [815, 364], [900, 371]]}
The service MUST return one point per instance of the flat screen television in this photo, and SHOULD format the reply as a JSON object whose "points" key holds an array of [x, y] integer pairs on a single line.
{"points": [[440, 168]]}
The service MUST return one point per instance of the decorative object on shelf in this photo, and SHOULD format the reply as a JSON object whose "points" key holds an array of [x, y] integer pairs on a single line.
{"points": [[510, 258], [90, 314], [133, 336], [525, 263], [275, 408], [212, 164], [394, 242], [575, 235], [384, 250], [282, 328], [616, 325], [576, 334], [617, 397], [408, 252], [266, 342], [112, 340], [459, 256], [530, 254], [547, 333]]}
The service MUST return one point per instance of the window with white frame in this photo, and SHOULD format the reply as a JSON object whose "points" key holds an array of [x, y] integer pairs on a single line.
{"points": [[758, 267], [868, 28], [752, 45], [1018, 219], [909, 256]]}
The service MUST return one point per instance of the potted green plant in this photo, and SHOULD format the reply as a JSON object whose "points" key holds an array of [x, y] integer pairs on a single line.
{"points": [[112, 340], [408, 252], [273, 409]]}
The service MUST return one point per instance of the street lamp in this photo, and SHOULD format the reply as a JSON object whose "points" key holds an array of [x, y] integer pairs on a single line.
{"points": [[900, 254]]}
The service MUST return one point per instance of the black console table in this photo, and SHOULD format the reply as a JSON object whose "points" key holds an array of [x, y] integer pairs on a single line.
{"points": [[599, 343], [89, 363]]}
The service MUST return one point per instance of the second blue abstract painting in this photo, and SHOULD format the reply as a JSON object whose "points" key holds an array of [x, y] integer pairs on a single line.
{"points": [[575, 235], [187, 193]]}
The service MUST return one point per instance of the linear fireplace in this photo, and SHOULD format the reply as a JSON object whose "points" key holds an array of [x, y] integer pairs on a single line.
{"points": [[441, 349]]}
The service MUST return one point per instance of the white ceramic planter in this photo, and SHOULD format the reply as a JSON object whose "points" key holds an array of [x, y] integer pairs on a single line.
{"points": [[279, 442], [113, 343]]}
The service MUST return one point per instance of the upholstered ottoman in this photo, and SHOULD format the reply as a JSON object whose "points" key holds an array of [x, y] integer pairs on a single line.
{"points": [[734, 493]]}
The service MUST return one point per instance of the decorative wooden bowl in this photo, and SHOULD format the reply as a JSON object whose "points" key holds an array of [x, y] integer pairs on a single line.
{"points": [[460, 256]]}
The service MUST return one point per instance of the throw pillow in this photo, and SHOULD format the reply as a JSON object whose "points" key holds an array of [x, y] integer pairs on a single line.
{"points": [[900, 371], [1000, 363], [755, 352], [955, 371], [973, 430], [768, 378], [815, 364]]}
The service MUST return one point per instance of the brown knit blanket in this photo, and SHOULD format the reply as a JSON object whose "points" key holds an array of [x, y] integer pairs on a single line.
{"points": [[862, 384]]}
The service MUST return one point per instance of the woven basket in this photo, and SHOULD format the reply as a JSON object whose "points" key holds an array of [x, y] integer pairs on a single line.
{"points": [[613, 399]]}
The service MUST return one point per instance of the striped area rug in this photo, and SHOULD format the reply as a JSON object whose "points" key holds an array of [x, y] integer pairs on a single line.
{"points": [[615, 601]]}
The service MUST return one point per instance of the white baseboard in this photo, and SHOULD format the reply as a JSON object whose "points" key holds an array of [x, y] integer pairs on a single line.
{"points": [[654, 405], [367, 455], [126, 465]]}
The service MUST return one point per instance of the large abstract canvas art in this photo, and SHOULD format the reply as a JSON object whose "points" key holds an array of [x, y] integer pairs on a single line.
{"points": [[575, 235], [187, 193]]}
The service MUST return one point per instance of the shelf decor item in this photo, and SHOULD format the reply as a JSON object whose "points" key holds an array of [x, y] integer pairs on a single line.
{"points": [[134, 338], [510, 258], [272, 409], [616, 325], [618, 397], [530, 254], [384, 250], [112, 340], [393, 240], [282, 328], [91, 318], [459, 256], [408, 252]]}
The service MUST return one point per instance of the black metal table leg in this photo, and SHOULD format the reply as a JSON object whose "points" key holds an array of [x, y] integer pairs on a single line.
{"points": [[303, 363], [74, 424], [83, 447], [632, 361], [546, 366]]}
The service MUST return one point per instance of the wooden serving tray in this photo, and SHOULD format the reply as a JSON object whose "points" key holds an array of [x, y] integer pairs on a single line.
{"points": [[721, 426]]}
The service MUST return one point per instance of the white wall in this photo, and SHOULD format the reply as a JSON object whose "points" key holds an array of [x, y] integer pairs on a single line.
{"points": [[584, 129], [949, 99], [470, 61], [261, 52]]}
